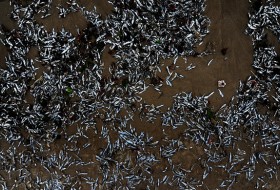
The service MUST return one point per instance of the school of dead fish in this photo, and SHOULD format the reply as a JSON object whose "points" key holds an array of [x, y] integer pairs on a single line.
{"points": [[72, 91]]}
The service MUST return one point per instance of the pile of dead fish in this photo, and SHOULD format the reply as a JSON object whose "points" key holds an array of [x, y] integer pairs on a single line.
{"points": [[72, 127], [263, 17]]}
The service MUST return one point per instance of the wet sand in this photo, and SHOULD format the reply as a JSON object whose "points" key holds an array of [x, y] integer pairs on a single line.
{"points": [[228, 22], [4, 18]]}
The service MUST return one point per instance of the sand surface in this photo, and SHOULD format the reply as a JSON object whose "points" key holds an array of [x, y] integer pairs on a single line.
{"points": [[228, 22]]}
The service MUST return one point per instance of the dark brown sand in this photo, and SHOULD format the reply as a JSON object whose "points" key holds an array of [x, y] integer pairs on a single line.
{"points": [[228, 22], [5, 9]]}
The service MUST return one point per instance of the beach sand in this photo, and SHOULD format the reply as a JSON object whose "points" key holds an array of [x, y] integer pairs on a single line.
{"points": [[228, 23]]}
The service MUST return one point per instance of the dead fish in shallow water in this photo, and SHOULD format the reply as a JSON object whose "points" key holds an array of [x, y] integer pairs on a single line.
{"points": [[221, 94], [209, 62]]}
